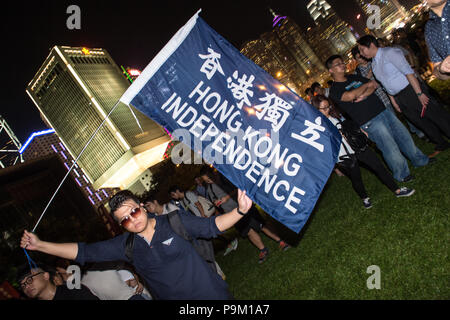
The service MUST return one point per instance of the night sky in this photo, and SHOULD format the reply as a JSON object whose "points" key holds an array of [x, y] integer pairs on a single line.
{"points": [[133, 32]]}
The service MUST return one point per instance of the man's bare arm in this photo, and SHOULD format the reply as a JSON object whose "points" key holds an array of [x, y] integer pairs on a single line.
{"points": [[227, 220], [363, 91], [438, 69]]}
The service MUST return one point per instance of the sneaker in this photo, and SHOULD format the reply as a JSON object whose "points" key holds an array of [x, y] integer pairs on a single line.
{"points": [[408, 178], [263, 255], [405, 192], [367, 204], [283, 245]]}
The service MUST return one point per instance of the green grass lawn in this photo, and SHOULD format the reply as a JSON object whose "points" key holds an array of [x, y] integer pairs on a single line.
{"points": [[407, 238]]}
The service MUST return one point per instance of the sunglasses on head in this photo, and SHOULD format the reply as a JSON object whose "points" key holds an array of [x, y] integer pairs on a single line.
{"points": [[125, 222]]}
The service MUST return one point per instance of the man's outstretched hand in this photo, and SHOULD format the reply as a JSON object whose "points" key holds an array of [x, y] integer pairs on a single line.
{"points": [[29, 241], [244, 202]]}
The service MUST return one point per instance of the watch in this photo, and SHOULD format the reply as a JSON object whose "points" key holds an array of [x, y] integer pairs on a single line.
{"points": [[419, 94], [240, 212]]}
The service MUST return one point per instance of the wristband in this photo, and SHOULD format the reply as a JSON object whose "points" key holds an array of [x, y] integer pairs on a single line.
{"points": [[240, 212]]}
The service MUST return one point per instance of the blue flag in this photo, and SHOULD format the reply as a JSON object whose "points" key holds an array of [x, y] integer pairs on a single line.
{"points": [[259, 134]]}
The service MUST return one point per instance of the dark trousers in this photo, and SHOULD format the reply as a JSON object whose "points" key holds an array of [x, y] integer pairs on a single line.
{"points": [[436, 120], [370, 159]]}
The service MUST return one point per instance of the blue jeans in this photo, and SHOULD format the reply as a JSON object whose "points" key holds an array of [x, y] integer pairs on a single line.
{"points": [[393, 139]]}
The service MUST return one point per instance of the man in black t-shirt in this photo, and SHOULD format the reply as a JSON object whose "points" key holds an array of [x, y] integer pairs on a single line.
{"points": [[355, 97], [37, 284]]}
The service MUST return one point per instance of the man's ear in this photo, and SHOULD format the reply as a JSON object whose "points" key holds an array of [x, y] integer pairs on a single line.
{"points": [[46, 276]]}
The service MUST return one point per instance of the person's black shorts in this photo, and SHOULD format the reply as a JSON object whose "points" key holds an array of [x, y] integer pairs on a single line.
{"points": [[251, 220]]}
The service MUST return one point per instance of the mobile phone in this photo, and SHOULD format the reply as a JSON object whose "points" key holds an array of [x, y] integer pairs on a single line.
{"points": [[423, 111]]}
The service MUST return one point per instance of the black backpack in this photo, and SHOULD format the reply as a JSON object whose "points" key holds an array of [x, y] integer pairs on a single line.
{"points": [[203, 247], [357, 140]]}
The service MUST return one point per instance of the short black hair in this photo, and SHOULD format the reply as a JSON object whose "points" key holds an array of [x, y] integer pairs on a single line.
{"points": [[314, 86], [209, 172], [175, 188], [119, 198], [355, 51], [24, 270], [308, 90], [367, 40], [330, 60]]}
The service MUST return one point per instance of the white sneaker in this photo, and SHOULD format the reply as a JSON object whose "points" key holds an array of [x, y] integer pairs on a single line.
{"points": [[367, 204]]}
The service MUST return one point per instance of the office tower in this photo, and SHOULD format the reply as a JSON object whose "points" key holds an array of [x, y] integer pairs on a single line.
{"points": [[331, 33], [75, 89], [392, 15], [286, 55], [9, 146]]}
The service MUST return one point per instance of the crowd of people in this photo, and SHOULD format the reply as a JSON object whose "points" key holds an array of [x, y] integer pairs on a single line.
{"points": [[385, 82], [167, 252], [180, 263]]}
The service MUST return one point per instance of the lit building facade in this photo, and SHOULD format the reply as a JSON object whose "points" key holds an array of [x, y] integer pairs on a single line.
{"points": [[286, 55], [75, 89], [45, 143], [331, 35], [392, 15]]}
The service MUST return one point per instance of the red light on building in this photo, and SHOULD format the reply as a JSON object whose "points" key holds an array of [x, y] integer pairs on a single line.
{"points": [[134, 72]]}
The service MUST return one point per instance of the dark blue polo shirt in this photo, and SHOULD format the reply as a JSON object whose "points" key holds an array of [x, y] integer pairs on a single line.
{"points": [[170, 265], [437, 34]]}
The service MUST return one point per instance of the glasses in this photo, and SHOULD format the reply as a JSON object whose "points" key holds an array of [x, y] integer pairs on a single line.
{"points": [[325, 108], [29, 280], [125, 222]]}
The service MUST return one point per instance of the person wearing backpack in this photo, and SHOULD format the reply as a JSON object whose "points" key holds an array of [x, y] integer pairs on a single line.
{"points": [[354, 149], [192, 202], [169, 264], [251, 225]]}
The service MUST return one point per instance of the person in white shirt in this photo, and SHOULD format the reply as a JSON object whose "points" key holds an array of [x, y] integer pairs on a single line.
{"points": [[153, 206]]}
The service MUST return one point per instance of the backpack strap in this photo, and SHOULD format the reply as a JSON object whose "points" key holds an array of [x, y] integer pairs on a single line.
{"points": [[177, 226], [129, 245], [203, 247]]}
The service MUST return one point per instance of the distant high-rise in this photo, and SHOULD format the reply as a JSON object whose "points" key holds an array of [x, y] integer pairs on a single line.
{"points": [[74, 90], [331, 33], [391, 15], [286, 55]]}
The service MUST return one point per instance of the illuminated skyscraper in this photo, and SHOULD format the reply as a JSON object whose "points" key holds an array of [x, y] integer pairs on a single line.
{"points": [[286, 55], [74, 90], [331, 33], [392, 15]]}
